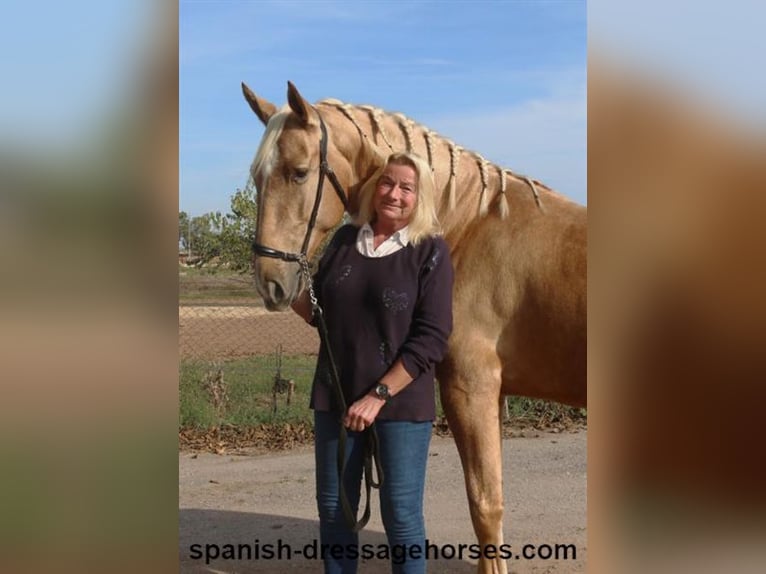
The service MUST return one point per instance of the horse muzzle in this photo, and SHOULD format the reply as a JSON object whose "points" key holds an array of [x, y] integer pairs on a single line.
{"points": [[278, 289]]}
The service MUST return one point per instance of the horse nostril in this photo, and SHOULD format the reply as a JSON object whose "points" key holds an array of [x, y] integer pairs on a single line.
{"points": [[276, 291]]}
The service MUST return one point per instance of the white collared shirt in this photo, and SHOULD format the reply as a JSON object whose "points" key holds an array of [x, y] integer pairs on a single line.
{"points": [[365, 242]]}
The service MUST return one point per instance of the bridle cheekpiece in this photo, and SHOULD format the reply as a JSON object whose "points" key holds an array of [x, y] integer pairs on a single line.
{"points": [[324, 170]]}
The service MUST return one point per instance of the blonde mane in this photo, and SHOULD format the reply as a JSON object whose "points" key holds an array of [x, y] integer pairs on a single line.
{"points": [[410, 130]]}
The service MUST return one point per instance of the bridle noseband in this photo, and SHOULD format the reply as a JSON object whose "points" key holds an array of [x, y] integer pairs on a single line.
{"points": [[324, 170]]}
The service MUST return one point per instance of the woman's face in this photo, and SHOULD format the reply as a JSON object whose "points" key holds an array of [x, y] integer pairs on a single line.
{"points": [[395, 195]]}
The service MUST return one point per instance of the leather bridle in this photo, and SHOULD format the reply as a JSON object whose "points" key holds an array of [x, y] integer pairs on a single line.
{"points": [[324, 170], [371, 443]]}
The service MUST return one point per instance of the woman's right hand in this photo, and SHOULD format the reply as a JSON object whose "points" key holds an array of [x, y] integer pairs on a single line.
{"points": [[302, 306], [363, 412]]}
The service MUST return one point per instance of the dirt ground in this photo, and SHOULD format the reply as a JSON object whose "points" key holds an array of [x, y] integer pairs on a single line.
{"points": [[214, 332], [240, 499]]}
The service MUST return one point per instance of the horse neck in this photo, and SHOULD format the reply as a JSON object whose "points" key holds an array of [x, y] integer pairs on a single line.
{"points": [[468, 187], [361, 157]]}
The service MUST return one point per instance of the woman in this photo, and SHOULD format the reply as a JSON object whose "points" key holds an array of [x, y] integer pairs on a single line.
{"points": [[385, 286]]}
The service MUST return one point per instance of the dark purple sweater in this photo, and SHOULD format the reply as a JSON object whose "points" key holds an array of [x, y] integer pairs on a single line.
{"points": [[378, 310]]}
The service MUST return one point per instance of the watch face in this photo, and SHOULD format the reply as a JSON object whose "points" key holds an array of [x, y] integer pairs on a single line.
{"points": [[382, 391]]}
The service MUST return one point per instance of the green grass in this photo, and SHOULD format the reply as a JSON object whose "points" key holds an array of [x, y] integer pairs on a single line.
{"points": [[248, 383]]}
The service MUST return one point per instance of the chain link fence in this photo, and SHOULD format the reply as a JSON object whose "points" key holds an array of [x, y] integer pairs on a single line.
{"points": [[241, 365], [238, 363], [215, 333]]}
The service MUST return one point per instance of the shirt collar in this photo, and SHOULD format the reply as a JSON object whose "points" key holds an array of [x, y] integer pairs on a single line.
{"points": [[402, 236]]}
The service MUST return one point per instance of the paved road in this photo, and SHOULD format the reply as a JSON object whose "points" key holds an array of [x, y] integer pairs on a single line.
{"points": [[240, 499]]}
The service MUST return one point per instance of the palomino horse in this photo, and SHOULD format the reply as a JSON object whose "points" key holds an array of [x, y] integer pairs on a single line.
{"points": [[518, 249]]}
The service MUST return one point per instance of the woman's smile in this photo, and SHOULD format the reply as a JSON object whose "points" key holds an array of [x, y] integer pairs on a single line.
{"points": [[395, 195]]}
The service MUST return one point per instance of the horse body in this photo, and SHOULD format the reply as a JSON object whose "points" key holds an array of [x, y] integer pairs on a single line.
{"points": [[517, 247]]}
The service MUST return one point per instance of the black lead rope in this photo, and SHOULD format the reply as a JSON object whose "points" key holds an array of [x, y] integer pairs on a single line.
{"points": [[371, 445]]}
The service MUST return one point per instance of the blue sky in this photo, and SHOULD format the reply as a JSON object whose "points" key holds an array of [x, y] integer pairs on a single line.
{"points": [[66, 66], [712, 50], [506, 79], [473, 71]]}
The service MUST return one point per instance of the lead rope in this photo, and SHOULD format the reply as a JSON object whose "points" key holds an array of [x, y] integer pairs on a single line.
{"points": [[371, 444]]}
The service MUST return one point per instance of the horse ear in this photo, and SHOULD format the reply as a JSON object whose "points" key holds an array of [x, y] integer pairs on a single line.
{"points": [[263, 109], [297, 104]]}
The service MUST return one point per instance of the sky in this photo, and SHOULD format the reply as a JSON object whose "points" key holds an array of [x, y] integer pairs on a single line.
{"points": [[66, 66], [712, 49], [505, 79]]}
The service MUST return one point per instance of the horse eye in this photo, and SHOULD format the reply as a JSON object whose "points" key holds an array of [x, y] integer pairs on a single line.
{"points": [[300, 175]]}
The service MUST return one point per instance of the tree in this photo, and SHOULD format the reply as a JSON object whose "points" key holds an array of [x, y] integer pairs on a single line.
{"points": [[238, 230], [205, 237], [226, 239], [183, 231]]}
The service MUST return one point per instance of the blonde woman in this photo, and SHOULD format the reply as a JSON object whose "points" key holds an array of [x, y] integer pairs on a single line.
{"points": [[385, 286]]}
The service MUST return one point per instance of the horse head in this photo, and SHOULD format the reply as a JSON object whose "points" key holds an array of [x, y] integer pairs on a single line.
{"points": [[290, 177]]}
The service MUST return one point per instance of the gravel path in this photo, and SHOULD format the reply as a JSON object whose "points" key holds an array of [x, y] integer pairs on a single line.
{"points": [[240, 499]]}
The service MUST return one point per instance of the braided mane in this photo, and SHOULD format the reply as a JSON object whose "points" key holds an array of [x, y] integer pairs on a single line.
{"points": [[411, 130]]}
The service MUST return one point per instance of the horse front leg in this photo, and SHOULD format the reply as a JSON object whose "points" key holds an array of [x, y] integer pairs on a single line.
{"points": [[472, 408]]}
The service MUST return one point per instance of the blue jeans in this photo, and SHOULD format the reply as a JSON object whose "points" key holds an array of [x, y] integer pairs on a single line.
{"points": [[403, 457]]}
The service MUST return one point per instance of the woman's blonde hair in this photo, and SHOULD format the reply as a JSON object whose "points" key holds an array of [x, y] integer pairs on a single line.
{"points": [[423, 221]]}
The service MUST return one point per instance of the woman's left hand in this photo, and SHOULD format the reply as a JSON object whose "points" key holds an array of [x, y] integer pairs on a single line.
{"points": [[362, 413]]}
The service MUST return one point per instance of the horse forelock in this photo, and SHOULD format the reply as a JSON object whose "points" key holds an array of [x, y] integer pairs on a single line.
{"points": [[267, 154]]}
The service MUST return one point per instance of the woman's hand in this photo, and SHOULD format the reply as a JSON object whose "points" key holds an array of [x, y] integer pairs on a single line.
{"points": [[302, 306], [363, 412]]}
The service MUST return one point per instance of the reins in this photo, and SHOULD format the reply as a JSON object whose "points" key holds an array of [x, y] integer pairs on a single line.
{"points": [[371, 445]]}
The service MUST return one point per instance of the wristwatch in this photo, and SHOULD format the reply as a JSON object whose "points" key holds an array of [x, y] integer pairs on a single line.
{"points": [[382, 392]]}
